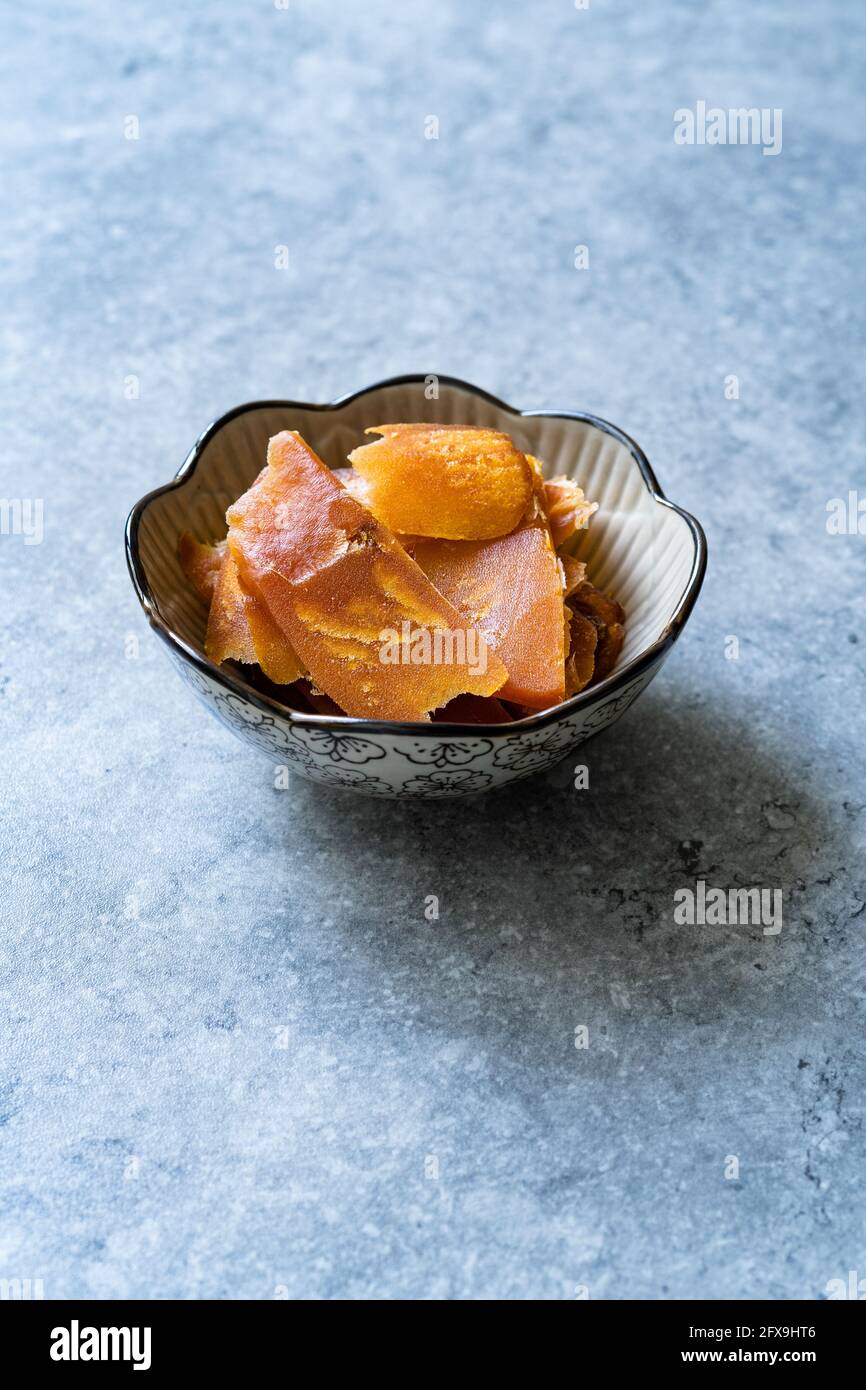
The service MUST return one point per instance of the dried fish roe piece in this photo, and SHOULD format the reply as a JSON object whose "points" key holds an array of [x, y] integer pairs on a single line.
{"points": [[241, 629], [454, 482], [228, 631], [512, 589]]}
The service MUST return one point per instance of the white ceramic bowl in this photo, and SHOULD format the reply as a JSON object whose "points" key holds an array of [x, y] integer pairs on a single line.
{"points": [[641, 548]]}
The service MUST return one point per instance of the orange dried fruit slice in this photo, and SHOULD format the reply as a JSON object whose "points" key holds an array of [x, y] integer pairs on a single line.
{"points": [[449, 481], [372, 630]]}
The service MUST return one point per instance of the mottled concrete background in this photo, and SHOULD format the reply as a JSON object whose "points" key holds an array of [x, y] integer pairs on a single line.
{"points": [[235, 1053]]}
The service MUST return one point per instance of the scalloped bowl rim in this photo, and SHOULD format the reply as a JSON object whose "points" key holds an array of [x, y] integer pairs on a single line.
{"points": [[236, 685]]}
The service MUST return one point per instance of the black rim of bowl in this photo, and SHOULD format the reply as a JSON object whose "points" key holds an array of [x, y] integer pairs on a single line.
{"points": [[348, 723]]}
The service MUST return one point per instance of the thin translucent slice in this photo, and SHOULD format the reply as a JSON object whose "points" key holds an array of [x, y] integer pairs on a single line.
{"points": [[567, 509], [511, 588], [228, 630], [449, 481], [573, 574], [200, 563], [241, 629], [370, 627], [274, 652]]}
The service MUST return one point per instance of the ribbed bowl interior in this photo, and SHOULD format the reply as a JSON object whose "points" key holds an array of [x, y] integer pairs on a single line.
{"points": [[636, 548]]}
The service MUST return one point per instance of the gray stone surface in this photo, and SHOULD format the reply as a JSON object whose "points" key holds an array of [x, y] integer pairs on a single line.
{"points": [[234, 1049]]}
